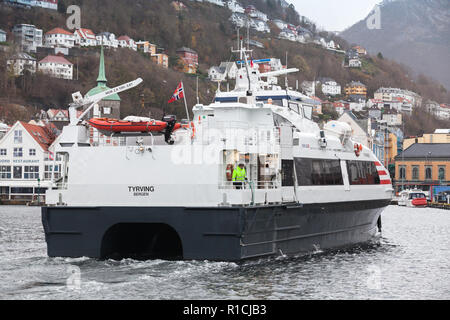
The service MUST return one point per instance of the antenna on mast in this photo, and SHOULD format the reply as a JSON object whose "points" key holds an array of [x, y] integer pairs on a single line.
{"points": [[198, 100]]}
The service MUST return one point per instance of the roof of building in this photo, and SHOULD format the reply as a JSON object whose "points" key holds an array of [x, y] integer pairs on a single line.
{"points": [[59, 31], [2, 31], [356, 84], [54, 112], [43, 136], [184, 49], [125, 38], [55, 59], [22, 56], [426, 150], [85, 33]]}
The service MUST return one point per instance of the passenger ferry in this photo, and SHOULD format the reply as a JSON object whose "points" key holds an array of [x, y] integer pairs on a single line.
{"points": [[307, 187]]}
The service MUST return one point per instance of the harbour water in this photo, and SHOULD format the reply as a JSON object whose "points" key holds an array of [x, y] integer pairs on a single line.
{"points": [[411, 260]]}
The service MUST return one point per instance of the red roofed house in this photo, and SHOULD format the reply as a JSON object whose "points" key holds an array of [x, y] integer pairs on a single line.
{"points": [[59, 37], [127, 42], [57, 67], [25, 165], [85, 38]]}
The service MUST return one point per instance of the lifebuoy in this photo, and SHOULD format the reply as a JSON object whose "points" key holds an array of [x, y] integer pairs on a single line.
{"points": [[229, 172]]}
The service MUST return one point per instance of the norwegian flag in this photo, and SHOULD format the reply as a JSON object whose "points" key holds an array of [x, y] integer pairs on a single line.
{"points": [[51, 156], [178, 94]]}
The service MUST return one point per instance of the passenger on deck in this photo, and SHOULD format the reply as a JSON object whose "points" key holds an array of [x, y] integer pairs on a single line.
{"points": [[239, 176]]}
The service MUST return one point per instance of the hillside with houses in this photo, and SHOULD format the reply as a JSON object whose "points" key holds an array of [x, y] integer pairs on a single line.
{"points": [[42, 62]]}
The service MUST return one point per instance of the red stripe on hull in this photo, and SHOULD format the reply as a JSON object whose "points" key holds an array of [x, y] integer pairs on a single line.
{"points": [[385, 182]]}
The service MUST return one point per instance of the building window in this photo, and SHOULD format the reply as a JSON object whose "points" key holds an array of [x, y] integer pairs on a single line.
{"points": [[428, 173], [48, 172], [441, 173], [5, 172], [3, 152], [415, 173], [18, 152], [31, 172], [106, 110], [18, 136], [17, 172], [32, 152], [402, 172]]}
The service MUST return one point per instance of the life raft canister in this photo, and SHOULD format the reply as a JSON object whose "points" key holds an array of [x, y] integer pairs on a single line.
{"points": [[358, 148]]}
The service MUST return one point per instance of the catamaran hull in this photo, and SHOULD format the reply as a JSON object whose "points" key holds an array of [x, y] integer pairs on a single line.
{"points": [[220, 233]]}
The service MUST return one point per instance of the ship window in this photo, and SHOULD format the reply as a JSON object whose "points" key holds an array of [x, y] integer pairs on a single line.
{"points": [[294, 107], [362, 172], [287, 173], [311, 172], [307, 110]]}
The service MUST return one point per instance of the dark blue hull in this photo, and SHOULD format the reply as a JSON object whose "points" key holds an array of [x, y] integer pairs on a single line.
{"points": [[220, 233]]}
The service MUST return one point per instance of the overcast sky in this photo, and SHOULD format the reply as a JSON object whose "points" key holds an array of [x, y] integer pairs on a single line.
{"points": [[334, 15]]}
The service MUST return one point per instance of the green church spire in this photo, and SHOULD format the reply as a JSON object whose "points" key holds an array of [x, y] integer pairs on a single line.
{"points": [[101, 70], [101, 82]]}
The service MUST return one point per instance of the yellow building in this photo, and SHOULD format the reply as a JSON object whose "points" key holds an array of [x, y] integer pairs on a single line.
{"points": [[162, 59], [146, 47], [390, 149], [356, 88], [440, 136], [423, 165]]}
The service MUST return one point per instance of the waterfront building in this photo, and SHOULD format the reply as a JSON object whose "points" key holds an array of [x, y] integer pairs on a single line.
{"points": [[26, 164], [392, 117], [46, 4], [360, 50], [423, 165], [389, 94], [439, 136], [127, 42], [189, 59], [356, 90], [28, 37], [85, 38], [21, 63], [235, 6], [331, 88], [107, 39], [146, 47], [161, 59], [57, 67], [59, 37]]}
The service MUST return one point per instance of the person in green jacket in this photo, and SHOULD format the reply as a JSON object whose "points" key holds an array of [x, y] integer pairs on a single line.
{"points": [[239, 176]]}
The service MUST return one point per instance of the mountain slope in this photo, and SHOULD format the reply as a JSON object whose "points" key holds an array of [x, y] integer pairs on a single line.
{"points": [[413, 32]]}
